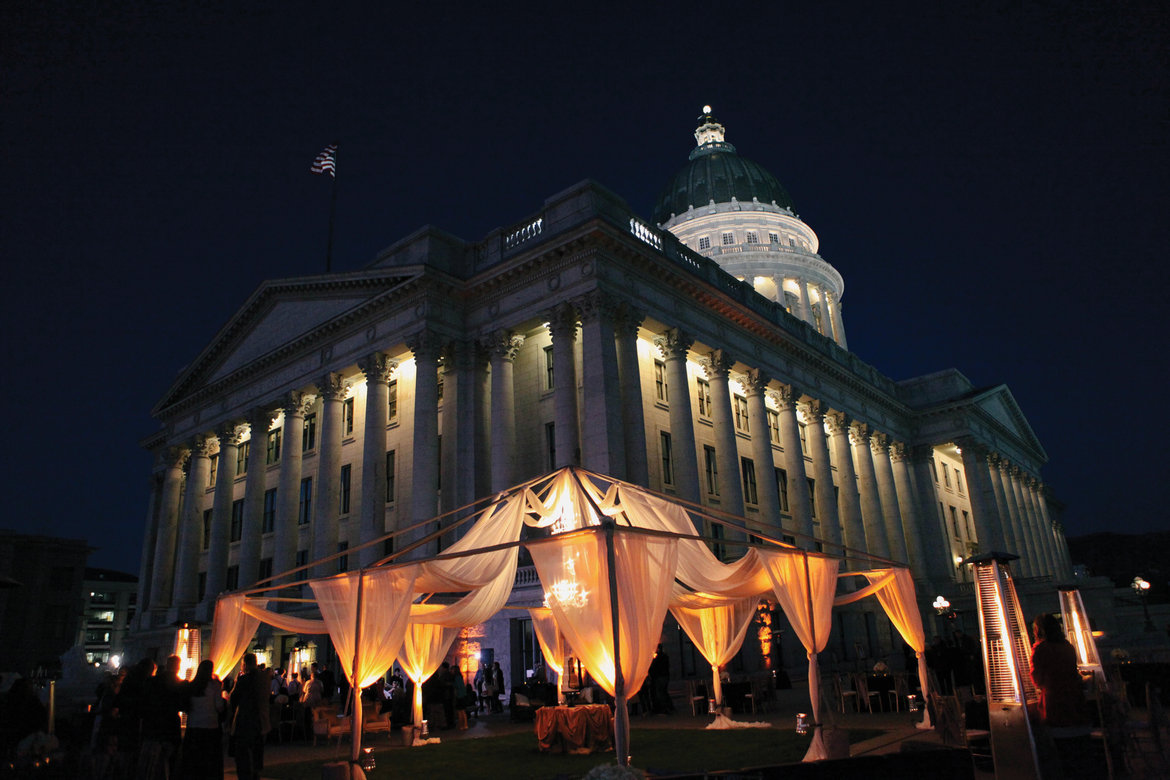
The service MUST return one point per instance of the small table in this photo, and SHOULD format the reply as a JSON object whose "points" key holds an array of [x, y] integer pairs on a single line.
{"points": [[583, 729]]}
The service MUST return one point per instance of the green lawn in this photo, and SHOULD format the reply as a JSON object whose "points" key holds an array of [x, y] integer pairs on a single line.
{"points": [[660, 751]]}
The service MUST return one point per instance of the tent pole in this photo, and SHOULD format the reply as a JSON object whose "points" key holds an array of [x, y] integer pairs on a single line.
{"points": [[356, 692], [621, 720]]}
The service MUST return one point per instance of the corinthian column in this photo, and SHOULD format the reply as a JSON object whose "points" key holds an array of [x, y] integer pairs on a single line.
{"points": [[425, 462], [284, 554], [718, 366], [163, 575], [562, 324], [326, 504], [259, 421], [1047, 538], [603, 446], [674, 345], [849, 502], [1011, 543], [987, 524], [502, 347], [378, 368], [756, 385], [1035, 567], [940, 568], [190, 535], [891, 510], [230, 435], [798, 499], [871, 502], [826, 497], [633, 421], [908, 505]]}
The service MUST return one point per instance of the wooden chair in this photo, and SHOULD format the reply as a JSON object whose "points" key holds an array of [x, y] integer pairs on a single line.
{"points": [[901, 692], [292, 718], [698, 701], [843, 691], [861, 686]]}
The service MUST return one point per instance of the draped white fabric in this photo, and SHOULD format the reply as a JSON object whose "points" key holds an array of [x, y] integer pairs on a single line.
{"points": [[425, 646], [499, 524], [804, 585], [574, 573], [281, 620], [231, 632], [385, 613], [717, 629], [549, 636]]}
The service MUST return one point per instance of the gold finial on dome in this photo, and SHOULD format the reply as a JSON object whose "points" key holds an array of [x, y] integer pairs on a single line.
{"points": [[709, 130], [707, 110]]}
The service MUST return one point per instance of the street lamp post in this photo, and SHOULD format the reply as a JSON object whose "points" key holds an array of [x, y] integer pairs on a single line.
{"points": [[1142, 589]]}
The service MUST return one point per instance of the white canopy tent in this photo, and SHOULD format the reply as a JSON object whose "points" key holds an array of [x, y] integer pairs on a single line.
{"points": [[612, 558]]}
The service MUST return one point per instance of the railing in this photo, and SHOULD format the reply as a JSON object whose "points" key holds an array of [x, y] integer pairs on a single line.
{"points": [[645, 234], [526, 577], [522, 233]]}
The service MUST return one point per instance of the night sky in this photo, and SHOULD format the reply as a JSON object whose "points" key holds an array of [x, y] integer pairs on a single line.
{"points": [[989, 180]]}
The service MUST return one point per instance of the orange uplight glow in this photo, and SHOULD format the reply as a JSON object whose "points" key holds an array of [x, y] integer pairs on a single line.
{"points": [[188, 648]]}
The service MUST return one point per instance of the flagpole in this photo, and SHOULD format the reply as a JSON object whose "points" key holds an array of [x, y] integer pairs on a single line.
{"points": [[332, 211]]}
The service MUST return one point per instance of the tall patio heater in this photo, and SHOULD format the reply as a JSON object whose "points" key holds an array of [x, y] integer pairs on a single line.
{"points": [[1006, 659], [1080, 634]]}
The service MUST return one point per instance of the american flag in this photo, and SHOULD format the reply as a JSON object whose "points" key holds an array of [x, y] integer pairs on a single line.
{"points": [[326, 161]]}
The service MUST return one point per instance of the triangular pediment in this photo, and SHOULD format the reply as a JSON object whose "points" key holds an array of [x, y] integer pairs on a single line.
{"points": [[281, 314], [999, 404]]}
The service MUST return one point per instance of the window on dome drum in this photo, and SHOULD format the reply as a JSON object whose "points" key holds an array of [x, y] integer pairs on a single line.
{"points": [[661, 391], [305, 505], [343, 561], [233, 577], [273, 447], [773, 426], [393, 400], [791, 241], [782, 488], [213, 468], [739, 406], [302, 559], [207, 529], [667, 463], [347, 417], [268, 521], [728, 239], [237, 520], [712, 470], [753, 237], [344, 492], [773, 238], [309, 432], [704, 242], [242, 458], [946, 475], [390, 476], [748, 468], [264, 571], [812, 496], [548, 368], [704, 388]]}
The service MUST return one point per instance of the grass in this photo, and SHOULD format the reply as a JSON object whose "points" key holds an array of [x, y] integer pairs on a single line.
{"points": [[659, 751]]}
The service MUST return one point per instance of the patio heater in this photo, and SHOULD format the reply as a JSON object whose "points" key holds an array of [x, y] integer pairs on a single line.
{"points": [[188, 647], [1076, 625], [1006, 658]]}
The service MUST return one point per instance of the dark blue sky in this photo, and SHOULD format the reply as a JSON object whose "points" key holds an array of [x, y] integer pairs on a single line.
{"points": [[989, 180]]}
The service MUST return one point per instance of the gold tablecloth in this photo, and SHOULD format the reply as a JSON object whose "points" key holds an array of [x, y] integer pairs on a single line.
{"points": [[583, 729]]}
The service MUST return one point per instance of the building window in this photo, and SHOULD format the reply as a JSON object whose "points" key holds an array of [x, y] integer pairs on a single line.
{"points": [[242, 458], [791, 241], [265, 569], [803, 429], [439, 384], [717, 547], [347, 417], [958, 480], [704, 242], [237, 519], [782, 488], [955, 522], [343, 560], [934, 470], [206, 529], [661, 390], [309, 437], [773, 426], [748, 468], [812, 496], [268, 522], [667, 462], [233, 577], [728, 239], [392, 404], [704, 397], [550, 440], [273, 447], [712, 470], [305, 507], [301, 560], [201, 586], [773, 238], [548, 368], [967, 524], [753, 237], [346, 472], [211, 472], [946, 475], [739, 405], [390, 476]]}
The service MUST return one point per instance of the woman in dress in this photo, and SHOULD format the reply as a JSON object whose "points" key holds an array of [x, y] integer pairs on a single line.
{"points": [[203, 744]]}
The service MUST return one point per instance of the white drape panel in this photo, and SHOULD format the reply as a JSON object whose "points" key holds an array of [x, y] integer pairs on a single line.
{"points": [[255, 608], [424, 648], [644, 579], [230, 634], [804, 585], [386, 596], [549, 636], [718, 630], [499, 524]]}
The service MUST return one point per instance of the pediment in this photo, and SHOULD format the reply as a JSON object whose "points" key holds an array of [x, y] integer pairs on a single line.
{"points": [[999, 404]]}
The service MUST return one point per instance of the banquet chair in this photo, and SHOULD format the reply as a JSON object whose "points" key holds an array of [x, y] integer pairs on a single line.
{"points": [[842, 691], [901, 692], [756, 697], [292, 718], [698, 701], [864, 694]]}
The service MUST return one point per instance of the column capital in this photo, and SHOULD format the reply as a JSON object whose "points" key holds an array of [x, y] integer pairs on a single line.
{"points": [[202, 445], [878, 442], [755, 382], [562, 321], [674, 343], [859, 434], [972, 445], [718, 365], [424, 344], [595, 305], [628, 320], [813, 411], [260, 418], [503, 344], [837, 422], [332, 387], [231, 433], [898, 452], [175, 457], [786, 397], [295, 402], [378, 367]]}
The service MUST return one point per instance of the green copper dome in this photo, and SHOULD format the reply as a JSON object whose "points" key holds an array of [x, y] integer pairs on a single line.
{"points": [[717, 173]]}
